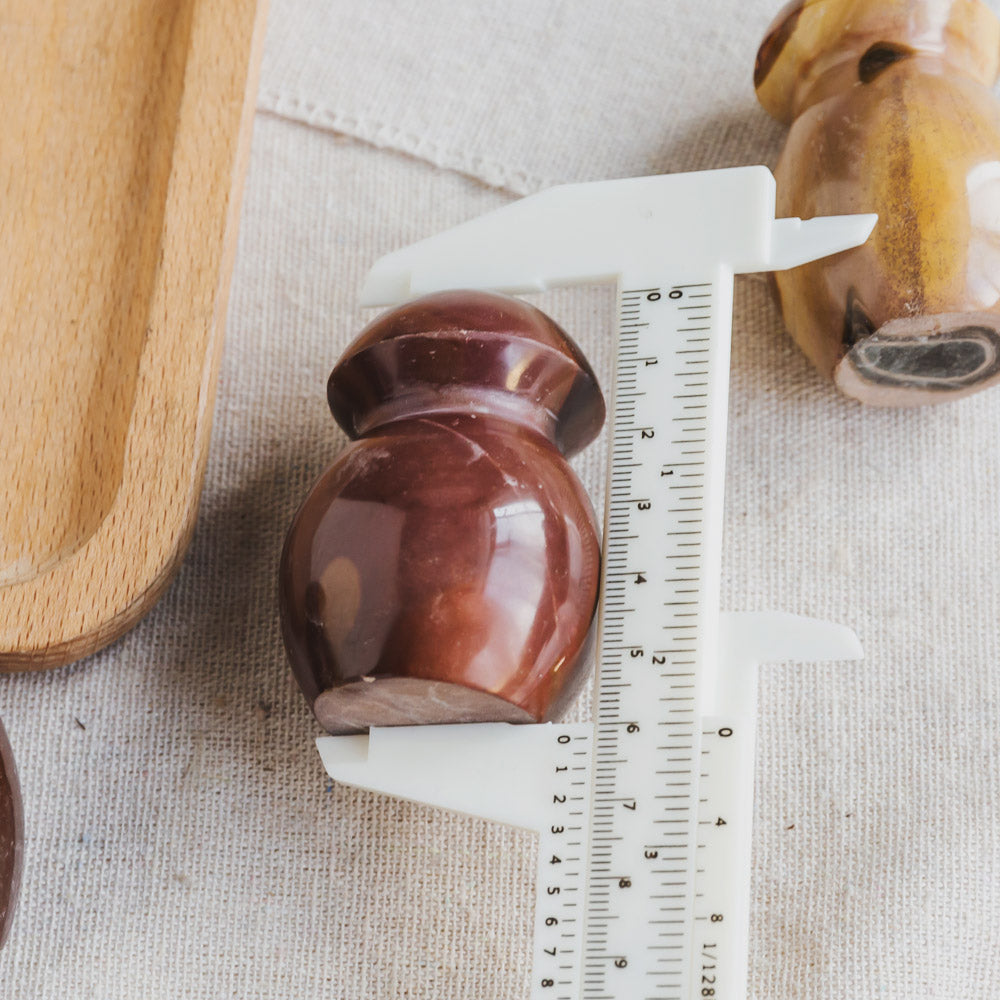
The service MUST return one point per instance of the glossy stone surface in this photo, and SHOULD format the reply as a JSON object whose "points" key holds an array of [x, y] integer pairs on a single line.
{"points": [[446, 567], [891, 112], [11, 837]]}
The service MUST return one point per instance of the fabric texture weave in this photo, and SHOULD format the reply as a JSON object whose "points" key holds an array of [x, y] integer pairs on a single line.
{"points": [[183, 842]]}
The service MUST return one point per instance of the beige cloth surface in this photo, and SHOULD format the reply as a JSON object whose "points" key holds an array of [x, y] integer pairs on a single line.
{"points": [[182, 840]]}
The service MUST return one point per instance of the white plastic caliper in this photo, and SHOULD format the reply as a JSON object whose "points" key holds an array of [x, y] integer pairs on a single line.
{"points": [[644, 815]]}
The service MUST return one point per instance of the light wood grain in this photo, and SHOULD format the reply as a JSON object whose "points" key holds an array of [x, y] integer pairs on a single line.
{"points": [[126, 127]]}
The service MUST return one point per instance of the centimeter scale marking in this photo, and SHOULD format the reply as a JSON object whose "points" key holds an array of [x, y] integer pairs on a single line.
{"points": [[643, 920], [660, 587]]}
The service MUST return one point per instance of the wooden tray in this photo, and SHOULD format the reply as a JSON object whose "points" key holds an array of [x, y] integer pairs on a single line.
{"points": [[126, 127]]}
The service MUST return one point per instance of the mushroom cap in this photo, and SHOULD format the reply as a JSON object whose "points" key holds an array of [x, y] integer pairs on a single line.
{"points": [[463, 351], [812, 40]]}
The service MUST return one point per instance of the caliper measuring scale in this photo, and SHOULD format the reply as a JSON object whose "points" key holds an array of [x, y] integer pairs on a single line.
{"points": [[644, 815]]}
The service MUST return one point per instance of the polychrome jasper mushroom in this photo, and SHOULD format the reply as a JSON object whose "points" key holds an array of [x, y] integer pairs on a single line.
{"points": [[891, 112], [445, 568], [11, 837]]}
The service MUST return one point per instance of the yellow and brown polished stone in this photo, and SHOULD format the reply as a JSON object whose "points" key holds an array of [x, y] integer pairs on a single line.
{"points": [[11, 836], [891, 111], [446, 567]]}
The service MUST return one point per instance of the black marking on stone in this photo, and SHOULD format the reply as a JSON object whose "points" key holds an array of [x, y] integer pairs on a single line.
{"points": [[945, 362], [879, 58], [857, 323]]}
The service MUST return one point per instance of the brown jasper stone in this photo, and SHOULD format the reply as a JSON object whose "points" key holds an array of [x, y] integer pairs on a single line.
{"points": [[891, 112], [11, 837], [446, 567]]}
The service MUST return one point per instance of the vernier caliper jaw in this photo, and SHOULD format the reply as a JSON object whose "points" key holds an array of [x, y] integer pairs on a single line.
{"points": [[483, 769], [582, 233], [502, 772]]}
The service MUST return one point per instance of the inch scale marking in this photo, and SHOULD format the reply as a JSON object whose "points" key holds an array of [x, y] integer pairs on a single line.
{"points": [[660, 603], [644, 816]]}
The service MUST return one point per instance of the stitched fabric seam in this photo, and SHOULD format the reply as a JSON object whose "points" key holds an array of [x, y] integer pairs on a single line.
{"points": [[383, 135]]}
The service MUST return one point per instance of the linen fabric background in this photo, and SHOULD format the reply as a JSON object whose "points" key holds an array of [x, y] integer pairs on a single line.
{"points": [[183, 842]]}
